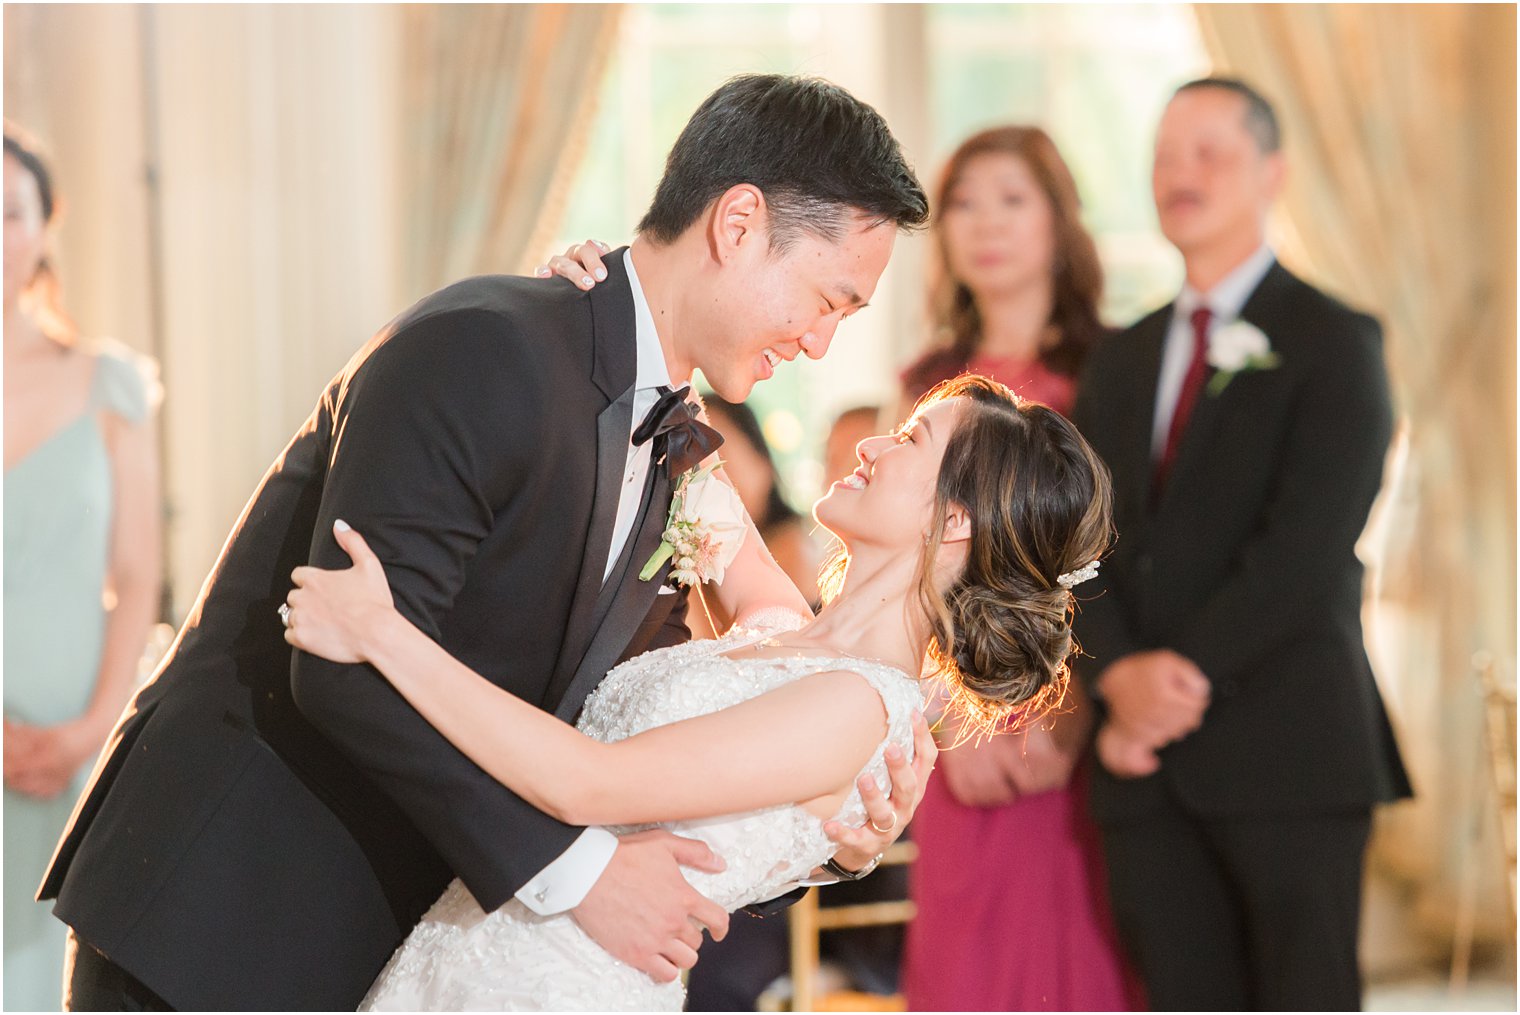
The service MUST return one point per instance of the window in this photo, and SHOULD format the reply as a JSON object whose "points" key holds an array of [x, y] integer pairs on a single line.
{"points": [[1095, 77]]}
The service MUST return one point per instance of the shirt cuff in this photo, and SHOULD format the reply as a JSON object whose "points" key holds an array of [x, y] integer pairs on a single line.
{"points": [[565, 883]]}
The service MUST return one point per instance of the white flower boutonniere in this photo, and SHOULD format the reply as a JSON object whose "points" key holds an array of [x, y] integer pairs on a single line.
{"points": [[1235, 348], [706, 527]]}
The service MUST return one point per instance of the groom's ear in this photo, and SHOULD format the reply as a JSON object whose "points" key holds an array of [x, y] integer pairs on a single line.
{"points": [[737, 222]]}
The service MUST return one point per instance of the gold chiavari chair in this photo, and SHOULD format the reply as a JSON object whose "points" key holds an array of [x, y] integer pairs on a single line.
{"points": [[808, 921], [1499, 742], [1496, 796]]}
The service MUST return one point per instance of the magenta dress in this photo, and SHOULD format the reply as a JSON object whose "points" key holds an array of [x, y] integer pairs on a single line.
{"points": [[1012, 901]]}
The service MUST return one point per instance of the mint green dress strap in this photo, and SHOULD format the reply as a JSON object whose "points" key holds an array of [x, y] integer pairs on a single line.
{"points": [[126, 382]]}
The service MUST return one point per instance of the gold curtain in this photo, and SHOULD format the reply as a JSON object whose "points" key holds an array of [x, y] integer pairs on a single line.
{"points": [[497, 104], [1399, 126]]}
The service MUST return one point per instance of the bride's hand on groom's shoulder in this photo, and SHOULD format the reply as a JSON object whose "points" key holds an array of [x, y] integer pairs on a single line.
{"points": [[337, 614], [581, 264]]}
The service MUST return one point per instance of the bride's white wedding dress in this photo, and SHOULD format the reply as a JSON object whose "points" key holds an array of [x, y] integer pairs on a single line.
{"points": [[460, 958]]}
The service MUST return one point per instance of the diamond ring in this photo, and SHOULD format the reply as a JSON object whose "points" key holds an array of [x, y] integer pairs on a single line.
{"points": [[284, 612], [882, 830]]}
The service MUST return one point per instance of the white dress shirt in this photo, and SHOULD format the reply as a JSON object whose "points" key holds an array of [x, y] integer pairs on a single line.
{"points": [[566, 881], [1225, 301]]}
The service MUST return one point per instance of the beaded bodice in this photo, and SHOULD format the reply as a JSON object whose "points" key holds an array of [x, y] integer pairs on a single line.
{"points": [[460, 958], [768, 849]]}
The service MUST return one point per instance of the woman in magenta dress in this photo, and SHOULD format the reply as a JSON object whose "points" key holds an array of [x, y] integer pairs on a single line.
{"points": [[1012, 901]]}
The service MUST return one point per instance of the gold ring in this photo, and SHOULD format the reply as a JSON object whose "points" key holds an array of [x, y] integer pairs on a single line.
{"points": [[882, 830]]}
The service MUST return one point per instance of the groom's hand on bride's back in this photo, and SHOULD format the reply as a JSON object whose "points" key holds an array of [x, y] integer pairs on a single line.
{"points": [[644, 912]]}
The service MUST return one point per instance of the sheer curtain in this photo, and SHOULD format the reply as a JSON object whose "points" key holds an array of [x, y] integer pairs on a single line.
{"points": [[498, 101], [1399, 124]]}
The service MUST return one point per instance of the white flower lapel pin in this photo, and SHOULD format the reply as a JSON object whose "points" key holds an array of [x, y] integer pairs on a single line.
{"points": [[1235, 348], [704, 531]]}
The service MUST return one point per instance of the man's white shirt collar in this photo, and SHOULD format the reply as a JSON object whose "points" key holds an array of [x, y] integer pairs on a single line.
{"points": [[1228, 298], [565, 882], [651, 371], [1225, 301]]}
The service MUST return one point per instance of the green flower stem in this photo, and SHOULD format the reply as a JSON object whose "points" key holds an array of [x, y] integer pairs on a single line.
{"points": [[664, 553], [1222, 379], [677, 505]]}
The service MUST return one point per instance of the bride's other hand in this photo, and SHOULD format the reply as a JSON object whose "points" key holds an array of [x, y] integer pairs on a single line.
{"points": [[336, 614], [581, 264], [887, 816]]}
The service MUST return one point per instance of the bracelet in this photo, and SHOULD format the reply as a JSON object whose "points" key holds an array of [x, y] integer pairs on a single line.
{"points": [[845, 874]]}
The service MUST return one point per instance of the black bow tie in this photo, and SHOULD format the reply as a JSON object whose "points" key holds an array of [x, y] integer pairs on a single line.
{"points": [[688, 440]]}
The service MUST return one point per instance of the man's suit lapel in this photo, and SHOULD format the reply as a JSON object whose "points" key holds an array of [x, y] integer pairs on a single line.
{"points": [[1136, 461], [626, 599], [612, 428], [1260, 310], [614, 371]]}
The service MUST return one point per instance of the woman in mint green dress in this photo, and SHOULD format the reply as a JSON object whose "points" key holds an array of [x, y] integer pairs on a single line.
{"points": [[82, 568]]}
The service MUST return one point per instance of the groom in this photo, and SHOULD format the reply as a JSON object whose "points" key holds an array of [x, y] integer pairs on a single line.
{"points": [[263, 831]]}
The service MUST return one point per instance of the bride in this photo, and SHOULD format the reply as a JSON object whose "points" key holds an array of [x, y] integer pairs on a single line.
{"points": [[964, 532]]}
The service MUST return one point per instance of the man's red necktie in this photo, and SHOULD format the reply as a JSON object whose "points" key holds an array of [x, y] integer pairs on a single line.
{"points": [[1192, 387]]}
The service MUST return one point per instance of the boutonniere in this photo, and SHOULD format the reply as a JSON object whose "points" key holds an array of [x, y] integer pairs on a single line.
{"points": [[1235, 348], [704, 531]]}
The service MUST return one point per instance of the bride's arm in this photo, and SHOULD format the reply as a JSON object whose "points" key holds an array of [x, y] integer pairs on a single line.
{"points": [[754, 581], [804, 740]]}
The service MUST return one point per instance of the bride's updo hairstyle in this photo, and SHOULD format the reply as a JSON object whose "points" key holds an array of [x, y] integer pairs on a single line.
{"points": [[1039, 499]]}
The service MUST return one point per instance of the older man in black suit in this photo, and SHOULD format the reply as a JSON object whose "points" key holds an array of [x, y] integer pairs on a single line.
{"points": [[1244, 742]]}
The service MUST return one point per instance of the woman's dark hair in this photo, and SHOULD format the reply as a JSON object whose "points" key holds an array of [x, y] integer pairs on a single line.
{"points": [[1040, 504], [45, 289], [740, 421], [813, 149], [1078, 281]]}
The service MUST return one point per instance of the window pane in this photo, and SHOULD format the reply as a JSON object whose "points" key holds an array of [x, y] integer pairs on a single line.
{"points": [[1094, 76]]}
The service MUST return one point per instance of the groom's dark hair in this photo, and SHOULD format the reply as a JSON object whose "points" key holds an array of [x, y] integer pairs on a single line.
{"points": [[813, 149]]}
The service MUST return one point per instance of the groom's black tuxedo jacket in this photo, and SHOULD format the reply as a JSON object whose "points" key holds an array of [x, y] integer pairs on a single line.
{"points": [[264, 828], [1246, 562]]}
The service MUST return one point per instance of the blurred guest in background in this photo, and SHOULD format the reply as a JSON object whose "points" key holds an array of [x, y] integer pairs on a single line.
{"points": [[748, 461], [1244, 741], [850, 428], [1016, 298], [82, 564]]}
